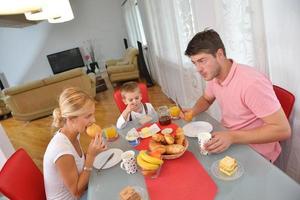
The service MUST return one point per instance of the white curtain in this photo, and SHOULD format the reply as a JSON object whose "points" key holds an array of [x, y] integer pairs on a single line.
{"points": [[250, 33], [133, 23], [168, 26]]}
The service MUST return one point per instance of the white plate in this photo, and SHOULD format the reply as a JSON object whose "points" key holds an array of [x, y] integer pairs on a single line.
{"points": [[153, 129], [101, 158], [218, 174], [193, 128], [167, 131]]}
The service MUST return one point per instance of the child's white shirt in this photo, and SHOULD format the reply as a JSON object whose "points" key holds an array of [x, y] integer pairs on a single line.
{"points": [[122, 122]]}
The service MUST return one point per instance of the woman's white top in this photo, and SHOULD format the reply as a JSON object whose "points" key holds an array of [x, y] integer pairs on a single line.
{"points": [[54, 185], [122, 122]]}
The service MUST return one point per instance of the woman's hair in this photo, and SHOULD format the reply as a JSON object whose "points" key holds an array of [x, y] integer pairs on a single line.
{"points": [[207, 41], [72, 103], [130, 86]]}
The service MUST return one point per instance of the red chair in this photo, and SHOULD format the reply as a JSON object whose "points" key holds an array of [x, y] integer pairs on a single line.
{"points": [[21, 179], [119, 101], [286, 99]]}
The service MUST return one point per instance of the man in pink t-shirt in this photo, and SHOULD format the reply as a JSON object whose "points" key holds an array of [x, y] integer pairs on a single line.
{"points": [[249, 107]]}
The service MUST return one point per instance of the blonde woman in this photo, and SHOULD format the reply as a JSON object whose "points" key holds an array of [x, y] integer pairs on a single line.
{"points": [[66, 168]]}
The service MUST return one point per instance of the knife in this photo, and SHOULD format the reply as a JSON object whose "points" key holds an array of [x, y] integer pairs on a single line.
{"points": [[108, 159]]}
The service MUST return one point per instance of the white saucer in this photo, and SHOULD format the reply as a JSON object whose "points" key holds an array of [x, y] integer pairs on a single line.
{"points": [[220, 175], [101, 158], [193, 128]]}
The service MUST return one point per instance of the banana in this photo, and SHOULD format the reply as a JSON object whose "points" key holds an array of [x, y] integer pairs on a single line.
{"points": [[145, 165], [146, 157]]}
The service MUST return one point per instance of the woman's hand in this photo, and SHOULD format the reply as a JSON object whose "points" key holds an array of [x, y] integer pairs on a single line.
{"points": [[96, 145], [220, 142]]}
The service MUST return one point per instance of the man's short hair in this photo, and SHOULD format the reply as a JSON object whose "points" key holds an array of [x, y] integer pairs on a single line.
{"points": [[207, 41], [130, 86]]}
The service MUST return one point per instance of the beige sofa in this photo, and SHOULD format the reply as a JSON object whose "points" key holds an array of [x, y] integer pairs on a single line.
{"points": [[38, 98], [125, 68]]}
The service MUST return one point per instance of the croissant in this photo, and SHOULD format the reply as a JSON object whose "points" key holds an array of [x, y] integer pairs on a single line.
{"points": [[169, 139], [155, 146], [174, 148]]}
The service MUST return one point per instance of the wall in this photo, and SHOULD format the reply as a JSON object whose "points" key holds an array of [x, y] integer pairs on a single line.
{"points": [[282, 33], [23, 50]]}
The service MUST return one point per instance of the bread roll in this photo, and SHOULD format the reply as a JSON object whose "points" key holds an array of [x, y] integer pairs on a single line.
{"points": [[93, 130], [158, 138], [169, 139], [155, 146], [174, 148], [179, 139]]}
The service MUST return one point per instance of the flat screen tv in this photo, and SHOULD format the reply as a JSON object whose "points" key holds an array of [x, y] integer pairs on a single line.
{"points": [[65, 60]]}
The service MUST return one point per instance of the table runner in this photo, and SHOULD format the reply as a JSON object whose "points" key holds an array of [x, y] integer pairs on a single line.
{"points": [[182, 178]]}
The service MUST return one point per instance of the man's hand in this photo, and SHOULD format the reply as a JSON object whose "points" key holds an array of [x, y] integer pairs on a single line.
{"points": [[183, 111], [220, 142]]}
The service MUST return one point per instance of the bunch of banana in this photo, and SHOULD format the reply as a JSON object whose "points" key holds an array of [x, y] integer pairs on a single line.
{"points": [[147, 162]]}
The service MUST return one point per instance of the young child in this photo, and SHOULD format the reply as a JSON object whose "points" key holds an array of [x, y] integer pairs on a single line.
{"points": [[135, 109]]}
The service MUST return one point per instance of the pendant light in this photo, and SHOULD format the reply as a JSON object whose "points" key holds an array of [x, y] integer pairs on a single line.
{"points": [[12, 7], [55, 11]]}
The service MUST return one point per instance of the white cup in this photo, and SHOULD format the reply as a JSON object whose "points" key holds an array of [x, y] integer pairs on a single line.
{"points": [[203, 138], [128, 162]]}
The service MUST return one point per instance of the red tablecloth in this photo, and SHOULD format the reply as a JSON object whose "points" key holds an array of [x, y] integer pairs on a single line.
{"points": [[183, 178]]}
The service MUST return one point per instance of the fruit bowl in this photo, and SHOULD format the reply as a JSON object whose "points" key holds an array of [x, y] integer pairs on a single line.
{"points": [[148, 164], [174, 156]]}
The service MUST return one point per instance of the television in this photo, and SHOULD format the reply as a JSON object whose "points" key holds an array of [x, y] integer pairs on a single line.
{"points": [[65, 60]]}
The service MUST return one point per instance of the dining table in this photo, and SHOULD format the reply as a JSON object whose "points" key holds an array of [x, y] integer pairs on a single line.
{"points": [[261, 180]]}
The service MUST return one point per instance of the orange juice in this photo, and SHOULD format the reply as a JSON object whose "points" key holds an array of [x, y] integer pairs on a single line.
{"points": [[188, 116], [174, 111], [111, 133]]}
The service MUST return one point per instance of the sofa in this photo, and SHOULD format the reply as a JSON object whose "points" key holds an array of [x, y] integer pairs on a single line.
{"points": [[125, 68], [38, 98]]}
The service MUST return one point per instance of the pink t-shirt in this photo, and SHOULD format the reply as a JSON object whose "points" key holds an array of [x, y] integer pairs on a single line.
{"points": [[245, 96]]}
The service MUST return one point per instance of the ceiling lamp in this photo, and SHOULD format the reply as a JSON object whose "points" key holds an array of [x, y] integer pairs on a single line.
{"points": [[61, 12], [55, 11], [12, 7]]}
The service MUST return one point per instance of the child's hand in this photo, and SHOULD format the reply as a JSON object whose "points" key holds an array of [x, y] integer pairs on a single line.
{"points": [[130, 107], [127, 110]]}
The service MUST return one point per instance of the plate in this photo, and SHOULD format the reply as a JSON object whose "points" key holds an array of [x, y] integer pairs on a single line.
{"points": [[167, 131], [141, 191], [193, 128], [101, 158], [218, 174], [153, 129]]}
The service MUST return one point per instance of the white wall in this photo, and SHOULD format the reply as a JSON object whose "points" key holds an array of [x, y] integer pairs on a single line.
{"points": [[23, 50], [282, 25]]}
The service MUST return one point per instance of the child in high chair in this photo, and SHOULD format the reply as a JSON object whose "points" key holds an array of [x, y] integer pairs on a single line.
{"points": [[135, 109]]}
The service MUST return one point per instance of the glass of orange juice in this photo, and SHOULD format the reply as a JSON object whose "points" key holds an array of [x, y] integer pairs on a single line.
{"points": [[111, 133], [174, 112], [188, 115]]}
